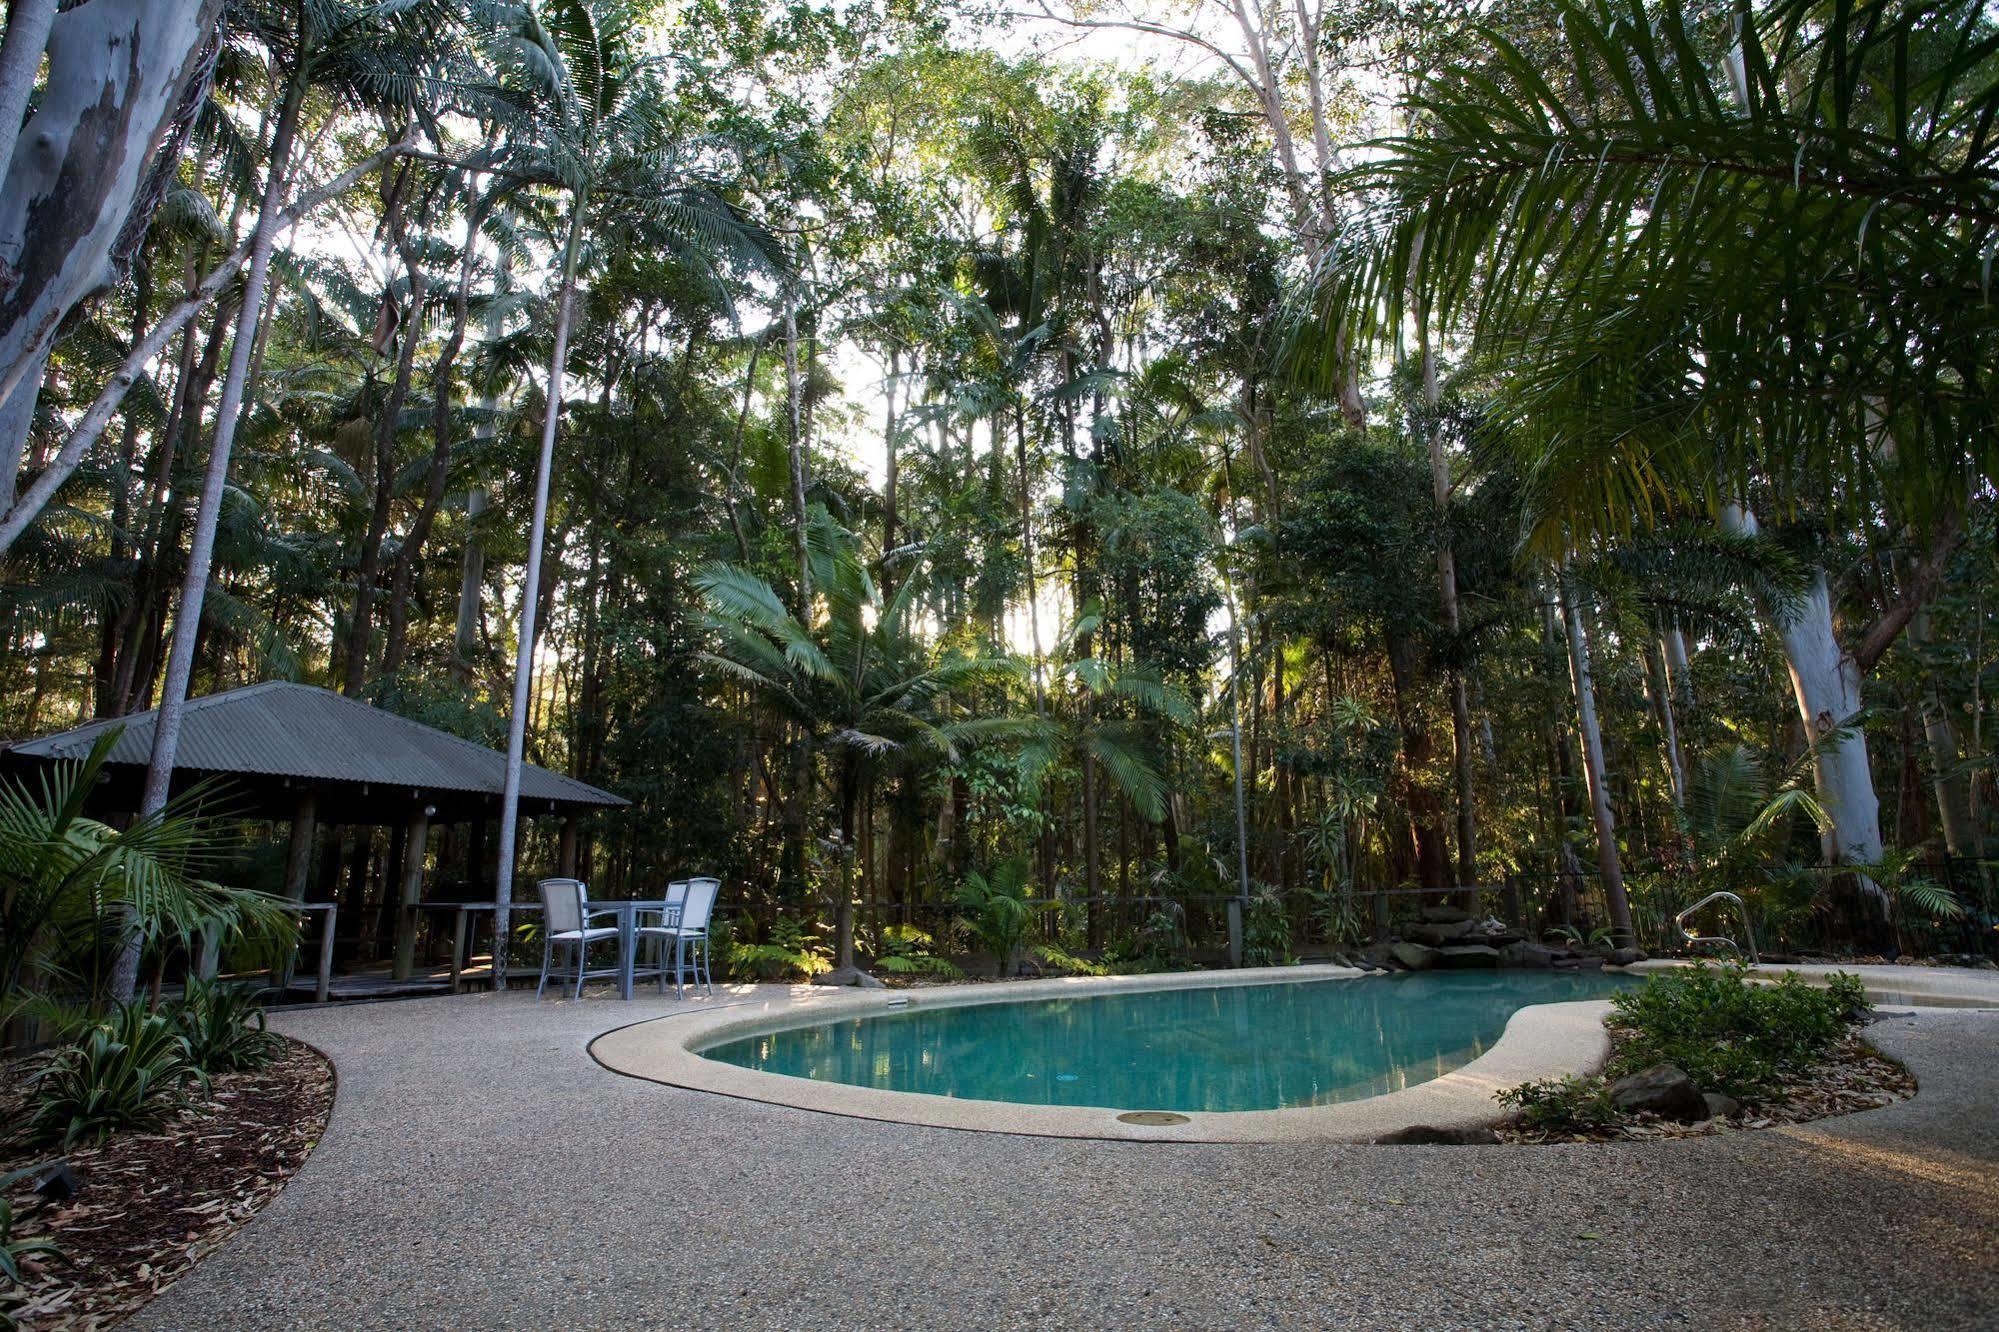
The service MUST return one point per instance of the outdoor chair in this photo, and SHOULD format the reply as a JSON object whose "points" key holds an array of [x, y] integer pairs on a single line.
{"points": [[675, 898], [565, 920], [687, 936]]}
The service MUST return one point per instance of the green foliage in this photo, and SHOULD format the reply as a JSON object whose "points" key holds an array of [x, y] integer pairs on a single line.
{"points": [[1729, 1034], [1266, 932], [908, 951], [1159, 944], [225, 1027], [1056, 958], [790, 952], [1561, 1105], [72, 887], [997, 909], [131, 1070]]}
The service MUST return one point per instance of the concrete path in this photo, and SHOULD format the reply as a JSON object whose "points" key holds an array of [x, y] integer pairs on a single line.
{"points": [[481, 1171]]}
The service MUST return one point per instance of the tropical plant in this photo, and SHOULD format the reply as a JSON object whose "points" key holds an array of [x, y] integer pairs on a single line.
{"points": [[907, 951], [131, 1070], [861, 683], [74, 889], [225, 1027], [998, 909]]}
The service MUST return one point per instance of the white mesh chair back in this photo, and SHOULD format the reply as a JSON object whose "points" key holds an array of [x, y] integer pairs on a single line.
{"points": [[701, 894], [561, 905], [676, 895]]}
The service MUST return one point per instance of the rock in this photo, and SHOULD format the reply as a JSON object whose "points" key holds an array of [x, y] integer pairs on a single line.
{"points": [[848, 976], [1414, 956], [1905, 960], [1720, 1106], [1579, 962], [1533, 955], [1445, 915], [1624, 957], [1429, 1135], [1662, 1090], [1376, 956], [1440, 934], [1464, 957]]}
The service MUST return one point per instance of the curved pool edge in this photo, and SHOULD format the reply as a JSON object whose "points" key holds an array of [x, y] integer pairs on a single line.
{"points": [[1540, 1041]]}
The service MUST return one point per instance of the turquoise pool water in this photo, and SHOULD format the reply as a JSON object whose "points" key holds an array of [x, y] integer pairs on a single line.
{"points": [[1238, 1047]]}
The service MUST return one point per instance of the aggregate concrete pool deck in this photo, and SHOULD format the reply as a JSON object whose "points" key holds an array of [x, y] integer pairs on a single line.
{"points": [[482, 1170]]}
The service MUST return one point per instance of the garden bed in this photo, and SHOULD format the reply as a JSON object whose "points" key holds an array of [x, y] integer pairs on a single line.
{"points": [[1854, 1077], [149, 1205]]}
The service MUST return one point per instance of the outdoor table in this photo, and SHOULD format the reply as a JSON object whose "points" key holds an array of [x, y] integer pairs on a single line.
{"points": [[627, 911]]}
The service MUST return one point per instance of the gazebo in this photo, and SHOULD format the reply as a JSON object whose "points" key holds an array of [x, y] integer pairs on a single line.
{"points": [[283, 751]]}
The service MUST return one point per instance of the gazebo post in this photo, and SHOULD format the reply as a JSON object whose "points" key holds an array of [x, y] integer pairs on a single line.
{"points": [[565, 848], [414, 838], [298, 857]]}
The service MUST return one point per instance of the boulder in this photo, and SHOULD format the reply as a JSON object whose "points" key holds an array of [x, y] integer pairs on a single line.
{"points": [[1661, 1090], [1439, 934], [1415, 956], [1720, 1106], [1579, 962], [1429, 1135], [1376, 956], [1624, 957], [1532, 955], [1445, 915], [1464, 957]]}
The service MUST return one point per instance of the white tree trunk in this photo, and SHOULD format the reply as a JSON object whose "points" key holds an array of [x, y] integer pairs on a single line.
{"points": [[91, 425], [1609, 866], [1826, 683], [117, 70], [201, 546], [510, 792], [28, 24]]}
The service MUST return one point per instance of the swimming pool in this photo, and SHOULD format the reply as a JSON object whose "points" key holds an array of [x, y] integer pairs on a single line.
{"points": [[1243, 1047]]}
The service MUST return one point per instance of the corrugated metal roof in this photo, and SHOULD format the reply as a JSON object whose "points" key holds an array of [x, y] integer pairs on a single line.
{"points": [[300, 731]]}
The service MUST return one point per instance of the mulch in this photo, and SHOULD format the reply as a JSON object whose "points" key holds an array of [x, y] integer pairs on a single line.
{"points": [[149, 1205], [1855, 1077]]}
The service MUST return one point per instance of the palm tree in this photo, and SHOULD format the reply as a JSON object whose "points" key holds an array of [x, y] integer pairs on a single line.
{"points": [[591, 155], [859, 681], [73, 887], [1714, 256], [363, 54]]}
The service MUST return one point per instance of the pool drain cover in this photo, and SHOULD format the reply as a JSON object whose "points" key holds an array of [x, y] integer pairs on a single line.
{"points": [[1151, 1118]]}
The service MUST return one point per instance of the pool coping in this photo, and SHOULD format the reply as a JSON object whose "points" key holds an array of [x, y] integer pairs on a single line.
{"points": [[1540, 1041]]}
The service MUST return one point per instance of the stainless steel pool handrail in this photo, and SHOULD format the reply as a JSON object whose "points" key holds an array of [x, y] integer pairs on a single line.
{"points": [[1748, 931]]}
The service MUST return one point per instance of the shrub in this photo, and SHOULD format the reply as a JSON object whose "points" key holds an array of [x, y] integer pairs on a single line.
{"points": [[1561, 1105], [225, 1028], [1266, 932], [1731, 1035], [130, 1071], [906, 951]]}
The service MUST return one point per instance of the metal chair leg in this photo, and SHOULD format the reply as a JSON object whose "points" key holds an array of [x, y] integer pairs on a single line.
{"points": [[582, 954], [545, 950]]}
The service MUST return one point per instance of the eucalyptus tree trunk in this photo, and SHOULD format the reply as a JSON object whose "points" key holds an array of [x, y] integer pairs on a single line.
{"points": [[84, 172], [201, 550], [517, 716], [1825, 679], [90, 426], [1609, 867]]}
